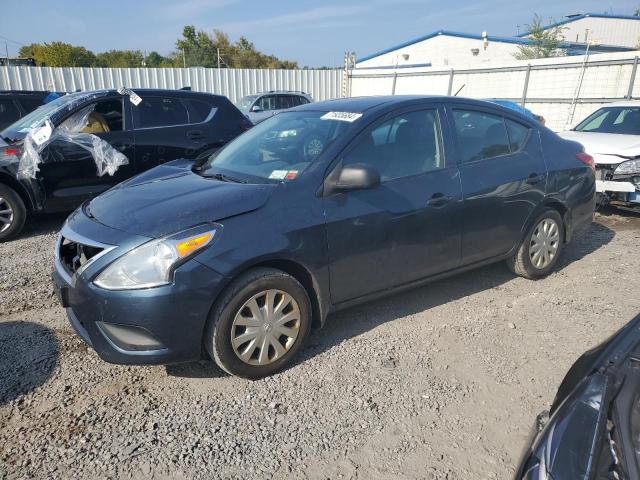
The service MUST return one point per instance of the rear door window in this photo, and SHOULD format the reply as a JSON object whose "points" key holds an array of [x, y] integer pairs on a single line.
{"points": [[480, 135], [200, 111], [160, 111], [283, 102]]}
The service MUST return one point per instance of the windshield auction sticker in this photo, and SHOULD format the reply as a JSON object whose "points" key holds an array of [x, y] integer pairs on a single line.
{"points": [[342, 116], [278, 174]]}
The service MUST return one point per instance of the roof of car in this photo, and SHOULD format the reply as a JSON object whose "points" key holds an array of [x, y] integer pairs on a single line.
{"points": [[40, 93], [360, 104], [366, 104], [624, 103], [142, 92]]}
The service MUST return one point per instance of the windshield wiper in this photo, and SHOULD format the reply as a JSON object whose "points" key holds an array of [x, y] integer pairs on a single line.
{"points": [[224, 178]]}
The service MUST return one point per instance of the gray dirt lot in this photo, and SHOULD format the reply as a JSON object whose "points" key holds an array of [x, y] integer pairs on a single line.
{"points": [[440, 382]]}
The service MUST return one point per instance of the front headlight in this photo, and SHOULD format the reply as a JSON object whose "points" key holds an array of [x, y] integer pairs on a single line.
{"points": [[153, 263], [628, 168]]}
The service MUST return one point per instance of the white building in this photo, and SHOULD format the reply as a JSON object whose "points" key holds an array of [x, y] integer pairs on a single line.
{"points": [[618, 30], [446, 48]]}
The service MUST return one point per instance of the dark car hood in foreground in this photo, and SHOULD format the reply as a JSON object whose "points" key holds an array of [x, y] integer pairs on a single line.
{"points": [[171, 198], [617, 346]]}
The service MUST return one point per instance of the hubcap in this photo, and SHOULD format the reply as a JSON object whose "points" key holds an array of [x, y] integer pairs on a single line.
{"points": [[265, 327], [544, 243], [6, 215]]}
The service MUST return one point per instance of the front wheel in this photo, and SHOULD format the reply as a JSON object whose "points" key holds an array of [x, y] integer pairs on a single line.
{"points": [[259, 324], [539, 251], [12, 213]]}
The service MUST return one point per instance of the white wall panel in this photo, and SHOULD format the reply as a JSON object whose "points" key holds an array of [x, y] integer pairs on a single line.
{"points": [[234, 83]]}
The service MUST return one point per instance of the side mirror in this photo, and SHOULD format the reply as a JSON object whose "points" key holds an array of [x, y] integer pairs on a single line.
{"points": [[356, 177], [256, 109]]}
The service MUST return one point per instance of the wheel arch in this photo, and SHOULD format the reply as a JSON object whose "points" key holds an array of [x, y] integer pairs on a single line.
{"points": [[306, 279], [298, 271], [564, 212], [15, 185]]}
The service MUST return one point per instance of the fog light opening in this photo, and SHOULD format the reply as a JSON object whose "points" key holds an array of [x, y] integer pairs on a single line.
{"points": [[130, 338]]}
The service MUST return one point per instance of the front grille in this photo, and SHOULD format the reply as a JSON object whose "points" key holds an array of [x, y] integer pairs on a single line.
{"points": [[74, 255]]}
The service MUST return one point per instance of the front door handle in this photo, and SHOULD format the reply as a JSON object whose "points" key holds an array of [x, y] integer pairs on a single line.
{"points": [[438, 200], [534, 178]]}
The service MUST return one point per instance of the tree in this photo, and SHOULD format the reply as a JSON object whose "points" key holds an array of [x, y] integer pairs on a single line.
{"points": [[58, 54], [155, 60], [119, 58], [199, 49], [545, 43]]}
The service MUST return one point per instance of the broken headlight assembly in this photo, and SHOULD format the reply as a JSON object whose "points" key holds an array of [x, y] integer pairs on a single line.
{"points": [[152, 264], [630, 167], [566, 448]]}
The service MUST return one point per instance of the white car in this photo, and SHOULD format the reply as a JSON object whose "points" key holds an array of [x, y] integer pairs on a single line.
{"points": [[611, 135]]}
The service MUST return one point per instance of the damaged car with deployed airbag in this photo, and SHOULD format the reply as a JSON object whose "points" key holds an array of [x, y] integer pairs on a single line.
{"points": [[83, 143], [593, 428]]}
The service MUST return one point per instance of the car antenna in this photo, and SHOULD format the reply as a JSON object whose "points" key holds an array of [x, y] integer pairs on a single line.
{"points": [[460, 89]]}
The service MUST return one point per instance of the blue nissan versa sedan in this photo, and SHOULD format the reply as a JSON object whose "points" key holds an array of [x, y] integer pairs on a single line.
{"points": [[321, 207]]}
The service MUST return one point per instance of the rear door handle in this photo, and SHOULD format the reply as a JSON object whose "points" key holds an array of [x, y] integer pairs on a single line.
{"points": [[438, 200], [121, 146], [195, 134], [534, 178]]}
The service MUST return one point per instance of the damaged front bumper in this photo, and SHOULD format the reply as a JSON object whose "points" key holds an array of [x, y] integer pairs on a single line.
{"points": [[617, 189], [158, 325]]}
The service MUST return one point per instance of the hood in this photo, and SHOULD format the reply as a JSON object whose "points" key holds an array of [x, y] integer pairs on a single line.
{"points": [[171, 198], [606, 147]]}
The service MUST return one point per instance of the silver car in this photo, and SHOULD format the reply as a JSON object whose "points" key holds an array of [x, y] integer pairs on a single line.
{"points": [[261, 106]]}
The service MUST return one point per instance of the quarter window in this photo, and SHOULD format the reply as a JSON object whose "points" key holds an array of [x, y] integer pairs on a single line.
{"points": [[480, 135], [406, 145], [518, 135], [160, 112]]}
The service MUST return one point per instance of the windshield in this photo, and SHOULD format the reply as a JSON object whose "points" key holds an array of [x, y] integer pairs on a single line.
{"points": [[37, 118], [245, 102], [278, 149], [621, 120]]}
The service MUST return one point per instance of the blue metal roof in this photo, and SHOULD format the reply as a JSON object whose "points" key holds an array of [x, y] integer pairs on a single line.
{"points": [[584, 15], [492, 38]]}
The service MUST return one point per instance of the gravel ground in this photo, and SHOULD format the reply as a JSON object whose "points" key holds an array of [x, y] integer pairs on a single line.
{"points": [[440, 382]]}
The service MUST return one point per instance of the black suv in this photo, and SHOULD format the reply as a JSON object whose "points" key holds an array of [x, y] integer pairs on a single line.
{"points": [[163, 126], [15, 104]]}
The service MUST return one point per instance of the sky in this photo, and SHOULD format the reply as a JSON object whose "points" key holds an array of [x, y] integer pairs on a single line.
{"points": [[311, 32]]}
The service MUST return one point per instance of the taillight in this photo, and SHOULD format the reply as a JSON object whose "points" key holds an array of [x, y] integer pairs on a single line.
{"points": [[587, 160], [11, 151]]}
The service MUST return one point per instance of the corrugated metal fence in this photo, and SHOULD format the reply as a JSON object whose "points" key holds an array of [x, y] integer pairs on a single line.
{"points": [[564, 90], [234, 83]]}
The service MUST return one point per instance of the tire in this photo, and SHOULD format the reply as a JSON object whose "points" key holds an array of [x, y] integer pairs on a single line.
{"points": [[232, 316], [525, 262], [14, 212]]}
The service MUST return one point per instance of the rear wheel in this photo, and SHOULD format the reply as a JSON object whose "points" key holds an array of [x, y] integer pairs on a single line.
{"points": [[13, 213], [539, 251], [259, 324]]}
